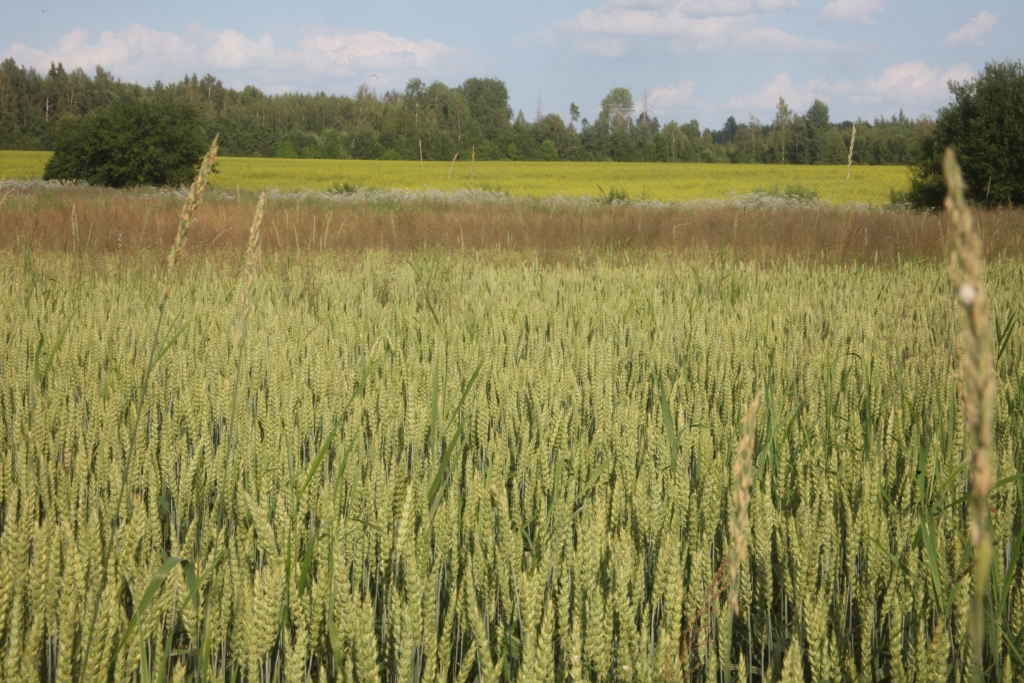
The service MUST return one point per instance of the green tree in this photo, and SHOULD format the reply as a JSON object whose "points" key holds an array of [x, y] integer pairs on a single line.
{"points": [[617, 107], [780, 132], [749, 142], [487, 99], [817, 118], [9, 113], [548, 151], [134, 141], [284, 149], [984, 124]]}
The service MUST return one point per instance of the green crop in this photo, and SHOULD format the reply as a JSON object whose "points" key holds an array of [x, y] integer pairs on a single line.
{"points": [[447, 468]]}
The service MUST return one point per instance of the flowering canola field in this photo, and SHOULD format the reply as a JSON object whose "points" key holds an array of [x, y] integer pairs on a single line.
{"points": [[664, 182]]}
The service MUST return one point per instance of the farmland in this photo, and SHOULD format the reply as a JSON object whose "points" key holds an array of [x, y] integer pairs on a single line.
{"points": [[663, 182], [499, 440], [405, 463]]}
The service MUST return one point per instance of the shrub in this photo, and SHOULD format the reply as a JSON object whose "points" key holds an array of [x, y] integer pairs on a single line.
{"points": [[131, 142]]}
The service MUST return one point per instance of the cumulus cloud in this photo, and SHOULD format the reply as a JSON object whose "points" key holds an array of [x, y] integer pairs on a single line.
{"points": [[972, 32], [321, 58], [668, 98], [687, 25], [853, 11], [602, 46], [798, 98], [914, 85], [706, 7]]}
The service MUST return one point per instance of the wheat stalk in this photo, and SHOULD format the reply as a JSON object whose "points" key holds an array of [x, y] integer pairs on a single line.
{"points": [[739, 519], [849, 158], [252, 259]]}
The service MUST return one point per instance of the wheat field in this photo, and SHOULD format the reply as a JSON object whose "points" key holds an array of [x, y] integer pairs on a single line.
{"points": [[457, 467]]}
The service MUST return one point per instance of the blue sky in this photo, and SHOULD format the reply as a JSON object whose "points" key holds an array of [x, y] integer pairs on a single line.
{"points": [[703, 59]]}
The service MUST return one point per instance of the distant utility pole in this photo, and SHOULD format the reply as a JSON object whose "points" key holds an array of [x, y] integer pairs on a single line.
{"points": [[647, 108], [540, 111]]}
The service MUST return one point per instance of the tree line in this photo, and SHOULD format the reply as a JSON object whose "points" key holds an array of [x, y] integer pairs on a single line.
{"points": [[435, 121]]}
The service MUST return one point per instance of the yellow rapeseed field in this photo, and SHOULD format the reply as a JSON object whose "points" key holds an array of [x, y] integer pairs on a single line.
{"points": [[22, 165], [666, 182]]}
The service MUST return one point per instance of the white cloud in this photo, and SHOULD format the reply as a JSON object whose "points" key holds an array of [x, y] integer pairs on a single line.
{"points": [[770, 39], [765, 99], [707, 7], [914, 86], [601, 46], [971, 32], [670, 22], [911, 83], [853, 11], [668, 98], [322, 57], [688, 25]]}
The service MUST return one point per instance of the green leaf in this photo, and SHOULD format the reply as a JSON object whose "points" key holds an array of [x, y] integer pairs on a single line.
{"points": [[307, 560], [154, 585], [161, 673], [313, 466], [670, 427], [465, 392], [928, 538], [332, 632], [1003, 333], [555, 485], [1006, 480], [433, 408], [440, 476], [170, 342], [1011, 569], [192, 582], [895, 560], [56, 346], [598, 471]]}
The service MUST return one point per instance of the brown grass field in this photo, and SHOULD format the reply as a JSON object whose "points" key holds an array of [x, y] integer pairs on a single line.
{"points": [[97, 221]]}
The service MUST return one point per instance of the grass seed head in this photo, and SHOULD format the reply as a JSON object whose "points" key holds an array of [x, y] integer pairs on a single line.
{"points": [[188, 211], [977, 388]]}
